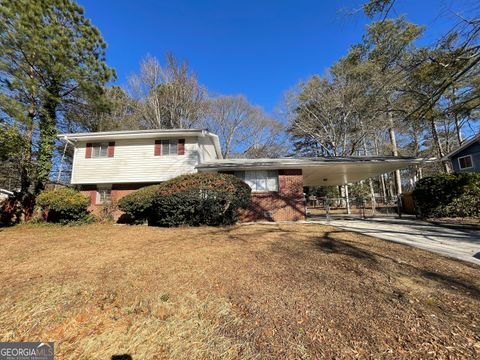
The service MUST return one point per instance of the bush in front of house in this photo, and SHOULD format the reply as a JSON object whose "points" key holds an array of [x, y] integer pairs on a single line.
{"points": [[64, 205], [448, 195], [194, 199], [137, 206]]}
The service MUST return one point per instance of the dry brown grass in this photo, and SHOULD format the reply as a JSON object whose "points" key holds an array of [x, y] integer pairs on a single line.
{"points": [[242, 292]]}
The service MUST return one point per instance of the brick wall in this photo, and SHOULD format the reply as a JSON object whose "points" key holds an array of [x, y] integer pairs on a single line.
{"points": [[118, 191], [285, 205]]}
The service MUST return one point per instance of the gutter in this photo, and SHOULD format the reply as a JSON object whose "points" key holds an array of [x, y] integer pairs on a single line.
{"points": [[289, 163], [133, 134]]}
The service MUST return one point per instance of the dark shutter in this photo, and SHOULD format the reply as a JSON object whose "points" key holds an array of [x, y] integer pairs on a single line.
{"points": [[88, 151], [111, 149], [158, 147], [181, 147]]}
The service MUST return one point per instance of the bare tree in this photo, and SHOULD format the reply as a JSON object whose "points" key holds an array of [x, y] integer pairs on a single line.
{"points": [[169, 96], [243, 128], [329, 112]]}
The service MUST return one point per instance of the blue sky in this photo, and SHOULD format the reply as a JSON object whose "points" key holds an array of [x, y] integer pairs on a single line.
{"points": [[256, 48]]}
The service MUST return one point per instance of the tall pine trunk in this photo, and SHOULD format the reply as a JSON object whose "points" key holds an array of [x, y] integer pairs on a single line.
{"points": [[438, 145], [393, 141], [26, 199], [458, 130], [46, 141]]}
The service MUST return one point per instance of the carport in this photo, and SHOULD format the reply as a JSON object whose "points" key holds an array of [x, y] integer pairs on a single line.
{"points": [[294, 173]]}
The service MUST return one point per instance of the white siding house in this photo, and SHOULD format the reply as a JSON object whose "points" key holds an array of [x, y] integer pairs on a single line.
{"points": [[110, 165], [133, 156]]}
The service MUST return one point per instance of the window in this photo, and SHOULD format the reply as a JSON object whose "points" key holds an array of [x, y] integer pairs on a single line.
{"points": [[465, 162], [100, 150], [260, 180], [169, 147], [104, 195]]}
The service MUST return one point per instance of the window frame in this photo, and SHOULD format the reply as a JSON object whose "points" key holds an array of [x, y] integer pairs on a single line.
{"points": [[464, 157], [260, 175], [172, 144], [99, 145], [98, 194]]}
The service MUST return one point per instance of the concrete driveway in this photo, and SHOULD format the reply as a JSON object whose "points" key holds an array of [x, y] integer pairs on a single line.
{"points": [[460, 242]]}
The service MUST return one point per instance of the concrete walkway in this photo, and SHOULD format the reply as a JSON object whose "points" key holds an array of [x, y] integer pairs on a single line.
{"points": [[461, 243]]}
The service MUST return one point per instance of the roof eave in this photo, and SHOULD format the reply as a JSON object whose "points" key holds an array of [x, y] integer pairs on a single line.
{"points": [[131, 134], [462, 147], [245, 164]]}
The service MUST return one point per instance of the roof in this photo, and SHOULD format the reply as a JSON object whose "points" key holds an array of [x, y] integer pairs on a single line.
{"points": [[6, 192], [290, 162], [142, 134], [325, 171], [465, 145]]}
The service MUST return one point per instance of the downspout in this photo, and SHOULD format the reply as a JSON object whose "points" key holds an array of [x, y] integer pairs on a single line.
{"points": [[62, 159]]}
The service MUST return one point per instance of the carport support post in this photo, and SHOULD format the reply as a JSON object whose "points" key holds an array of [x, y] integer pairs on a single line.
{"points": [[347, 199], [399, 205]]}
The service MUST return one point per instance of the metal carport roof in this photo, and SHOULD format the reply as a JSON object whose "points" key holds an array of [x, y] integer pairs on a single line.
{"points": [[325, 171]]}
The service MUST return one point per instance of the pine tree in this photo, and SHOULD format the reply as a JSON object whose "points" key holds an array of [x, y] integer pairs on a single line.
{"points": [[51, 57]]}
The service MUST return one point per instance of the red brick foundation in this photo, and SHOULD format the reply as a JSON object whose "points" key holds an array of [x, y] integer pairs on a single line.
{"points": [[118, 191], [285, 205]]}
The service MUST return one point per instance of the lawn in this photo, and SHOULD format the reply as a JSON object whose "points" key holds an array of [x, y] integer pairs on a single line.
{"points": [[243, 292]]}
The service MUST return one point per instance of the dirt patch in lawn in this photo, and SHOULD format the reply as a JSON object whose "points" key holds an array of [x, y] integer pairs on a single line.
{"points": [[251, 291]]}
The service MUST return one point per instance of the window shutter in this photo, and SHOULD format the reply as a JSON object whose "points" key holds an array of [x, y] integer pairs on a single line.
{"points": [[181, 147], [111, 149], [88, 151], [158, 147]]}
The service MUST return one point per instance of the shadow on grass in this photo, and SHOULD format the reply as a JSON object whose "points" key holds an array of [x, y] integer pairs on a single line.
{"points": [[329, 245], [121, 357], [377, 260], [450, 281]]}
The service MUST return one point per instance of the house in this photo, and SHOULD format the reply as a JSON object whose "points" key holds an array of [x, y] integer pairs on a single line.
{"points": [[5, 194], [467, 156], [109, 165]]}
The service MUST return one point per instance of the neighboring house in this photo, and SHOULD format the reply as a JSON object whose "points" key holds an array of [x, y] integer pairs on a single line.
{"points": [[467, 156], [109, 165], [5, 194]]}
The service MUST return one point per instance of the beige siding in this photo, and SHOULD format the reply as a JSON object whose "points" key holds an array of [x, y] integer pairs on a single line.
{"points": [[134, 161], [207, 149]]}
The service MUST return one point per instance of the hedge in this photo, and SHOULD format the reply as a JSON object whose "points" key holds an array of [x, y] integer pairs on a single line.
{"points": [[448, 195], [138, 205], [63, 205], [194, 199]]}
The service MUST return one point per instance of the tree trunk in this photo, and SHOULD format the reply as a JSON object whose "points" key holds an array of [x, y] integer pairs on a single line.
{"points": [[438, 144], [370, 182], [458, 130], [347, 199], [393, 141], [384, 187], [458, 127], [26, 172], [46, 141]]}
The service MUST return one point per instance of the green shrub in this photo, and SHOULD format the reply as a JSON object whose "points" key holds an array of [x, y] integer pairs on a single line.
{"points": [[448, 195], [64, 205], [194, 199], [137, 205]]}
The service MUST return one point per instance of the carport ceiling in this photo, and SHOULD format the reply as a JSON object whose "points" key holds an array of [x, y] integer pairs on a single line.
{"points": [[319, 171]]}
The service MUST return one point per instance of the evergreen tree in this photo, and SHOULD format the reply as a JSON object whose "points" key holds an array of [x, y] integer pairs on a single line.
{"points": [[51, 58]]}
